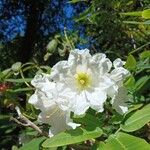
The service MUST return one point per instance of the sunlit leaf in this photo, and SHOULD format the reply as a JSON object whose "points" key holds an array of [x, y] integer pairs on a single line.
{"points": [[130, 63], [137, 120], [130, 82], [146, 14], [33, 144], [123, 141], [72, 137], [136, 13], [145, 54]]}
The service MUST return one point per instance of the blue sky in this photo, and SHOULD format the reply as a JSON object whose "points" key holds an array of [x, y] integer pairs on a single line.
{"points": [[16, 25]]}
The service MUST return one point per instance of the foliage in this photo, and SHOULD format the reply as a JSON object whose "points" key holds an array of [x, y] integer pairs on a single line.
{"points": [[119, 28]]}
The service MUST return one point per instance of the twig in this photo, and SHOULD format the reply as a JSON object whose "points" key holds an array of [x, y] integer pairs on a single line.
{"points": [[117, 130], [21, 73], [24, 121], [65, 33], [139, 48]]}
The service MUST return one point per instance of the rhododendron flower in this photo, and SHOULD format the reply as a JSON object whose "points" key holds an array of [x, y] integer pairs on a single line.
{"points": [[76, 84], [119, 101], [118, 75], [44, 99], [83, 80]]}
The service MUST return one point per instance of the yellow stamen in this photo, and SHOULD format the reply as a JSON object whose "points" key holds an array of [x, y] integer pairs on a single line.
{"points": [[83, 80]]}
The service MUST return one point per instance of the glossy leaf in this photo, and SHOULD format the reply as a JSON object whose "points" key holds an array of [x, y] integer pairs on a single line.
{"points": [[146, 14], [123, 141], [72, 137], [131, 63], [137, 120], [33, 144]]}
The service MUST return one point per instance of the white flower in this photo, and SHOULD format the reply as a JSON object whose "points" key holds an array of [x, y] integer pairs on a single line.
{"points": [[119, 101], [76, 84], [118, 63], [45, 99], [83, 80], [119, 97], [58, 119]]}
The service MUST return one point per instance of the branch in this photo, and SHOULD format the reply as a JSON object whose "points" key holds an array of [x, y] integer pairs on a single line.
{"points": [[24, 121]]}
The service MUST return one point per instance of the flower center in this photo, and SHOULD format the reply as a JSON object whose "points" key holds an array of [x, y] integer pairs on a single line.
{"points": [[83, 80]]}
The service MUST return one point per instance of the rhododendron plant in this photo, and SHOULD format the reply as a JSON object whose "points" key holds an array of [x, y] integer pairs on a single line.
{"points": [[77, 84]]}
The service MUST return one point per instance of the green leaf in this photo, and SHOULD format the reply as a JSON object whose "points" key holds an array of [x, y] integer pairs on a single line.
{"points": [[147, 22], [19, 80], [83, 16], [16, 66], [116, 119], [123, 141], [141, 82], [136, 22], [145, 54], [20, 90], [47, 68], [133, 108], [52, 45], [33, 144], [130, 82], [146, 14], [76, 1], [72, 137], [137, 120], [6, 71], [130, 63], [88, 120], [47, 55], [136, 13]]}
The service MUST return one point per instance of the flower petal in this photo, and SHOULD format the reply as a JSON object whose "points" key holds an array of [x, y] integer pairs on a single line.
{"points": [[39, 80], [118, 63], [119, 101], [58, 71], [58, 119], [80, 104], [119, 74], [96, 98], [103, 63], [41, 101]]}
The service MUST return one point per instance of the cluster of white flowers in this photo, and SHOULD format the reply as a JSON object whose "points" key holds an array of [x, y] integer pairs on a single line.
{"points": [[74, 85]]}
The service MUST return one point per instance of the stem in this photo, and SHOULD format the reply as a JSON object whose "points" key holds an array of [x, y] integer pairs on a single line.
{"points": [[27, 123], [21, 73], [118, 130], [139, 48], [72, 47]]}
